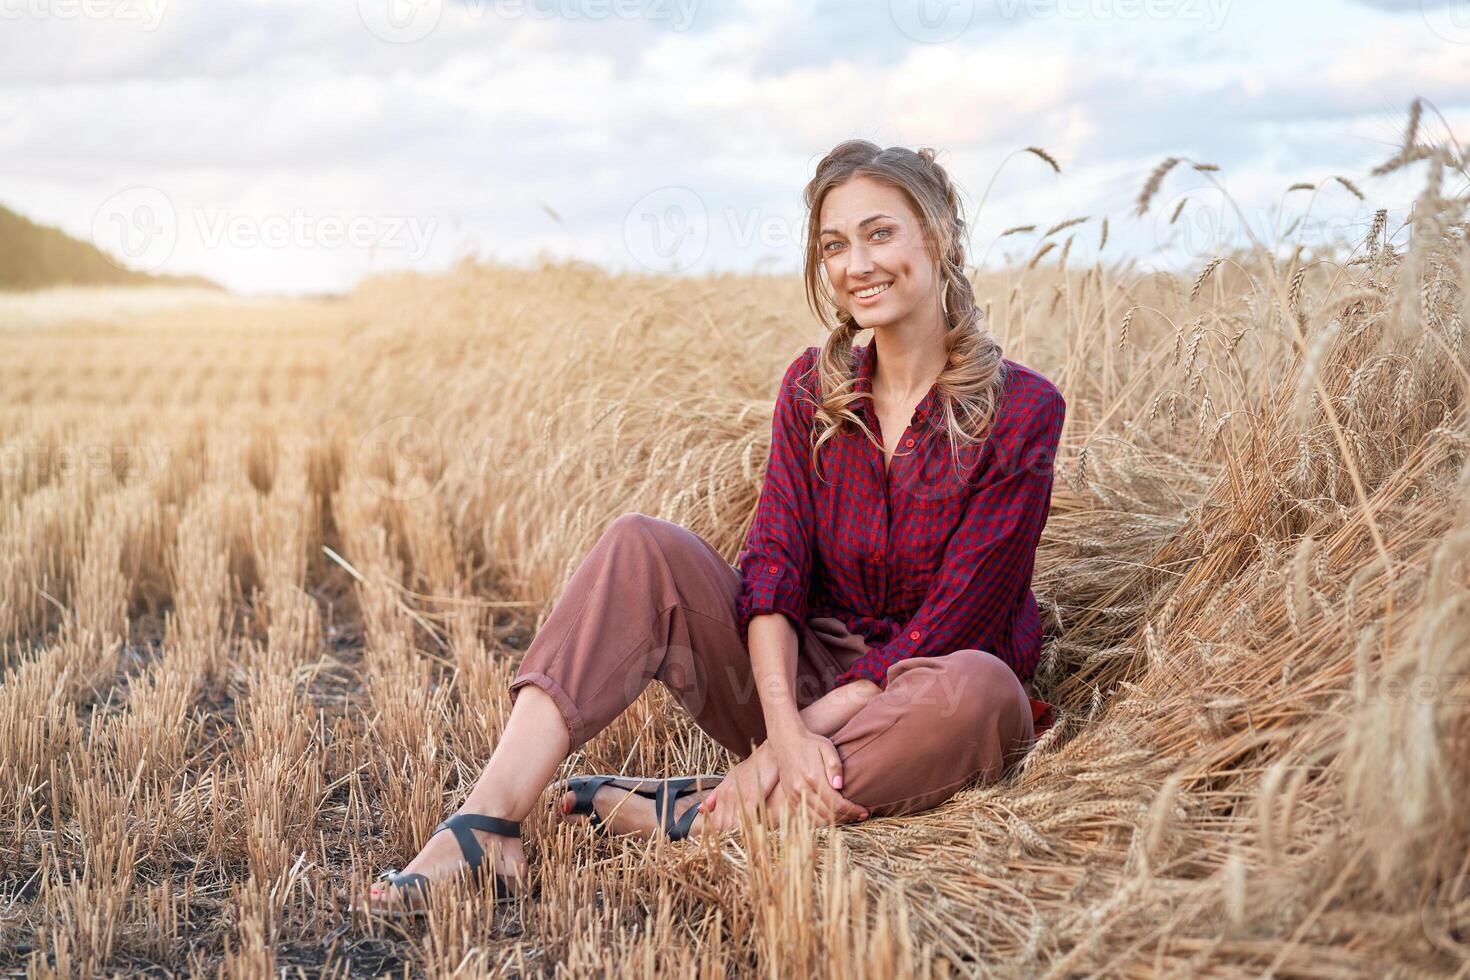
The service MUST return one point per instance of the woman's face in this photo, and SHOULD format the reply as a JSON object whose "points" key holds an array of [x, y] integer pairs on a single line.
{"points": [[871, 237]]}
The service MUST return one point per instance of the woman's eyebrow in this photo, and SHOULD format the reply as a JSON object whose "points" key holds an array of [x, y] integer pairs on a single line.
{"points": [[861, 224]]}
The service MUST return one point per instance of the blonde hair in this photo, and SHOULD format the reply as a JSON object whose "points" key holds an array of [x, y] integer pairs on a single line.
{"points": [[969, 387]]}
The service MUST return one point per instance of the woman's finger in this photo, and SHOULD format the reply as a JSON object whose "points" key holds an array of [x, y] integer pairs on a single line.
{"points": [[729, 817], [832, 762], [849, 810], [820, 806], [718, 818], [825, 802], [814, 800]]}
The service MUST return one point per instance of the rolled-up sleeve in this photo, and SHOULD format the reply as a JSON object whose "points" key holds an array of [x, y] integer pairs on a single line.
{"points": [[775, 562], [988, 561]]}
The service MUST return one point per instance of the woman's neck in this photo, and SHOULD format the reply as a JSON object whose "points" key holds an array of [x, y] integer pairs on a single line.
{"points": [[907, 361]]}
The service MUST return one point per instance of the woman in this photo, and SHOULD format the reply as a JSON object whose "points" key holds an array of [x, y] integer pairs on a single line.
{"points": [[866, 656]]}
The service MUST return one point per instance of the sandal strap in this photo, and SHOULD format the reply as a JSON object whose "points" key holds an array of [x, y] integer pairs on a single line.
{"points": [[405, 879], [663, 807], [684, 823], [486, 823], [583, 789], [618, 779], [460, 826], [686, 784]]}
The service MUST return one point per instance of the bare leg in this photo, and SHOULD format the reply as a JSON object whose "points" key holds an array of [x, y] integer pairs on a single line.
{"points": [[535, 741]]}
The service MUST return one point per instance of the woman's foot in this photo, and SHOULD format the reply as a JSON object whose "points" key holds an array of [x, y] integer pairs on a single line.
{"points": [[623, 811], [441, 859]]}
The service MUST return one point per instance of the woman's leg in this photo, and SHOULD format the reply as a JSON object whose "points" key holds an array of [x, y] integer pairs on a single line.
{"points": [[651, 600], [939, 723], [532, 745]]}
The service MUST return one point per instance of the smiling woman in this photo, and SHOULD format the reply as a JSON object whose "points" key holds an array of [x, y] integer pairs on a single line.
{"points": [[942, 447], [865, 655]]}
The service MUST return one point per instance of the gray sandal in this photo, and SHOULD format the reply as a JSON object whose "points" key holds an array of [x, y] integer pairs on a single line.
{"points": [[584, 788], [460, 825]]}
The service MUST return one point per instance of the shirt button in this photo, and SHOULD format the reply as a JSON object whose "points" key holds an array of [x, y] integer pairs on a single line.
{"points": [[914, 635], [772, 568], [877, 556], [908, 442]]}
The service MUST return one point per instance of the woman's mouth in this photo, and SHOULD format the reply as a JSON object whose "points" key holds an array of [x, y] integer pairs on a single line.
{"points": [[868, 295]]}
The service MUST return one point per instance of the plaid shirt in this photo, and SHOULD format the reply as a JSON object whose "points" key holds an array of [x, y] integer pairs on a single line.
{"points": [[931, 558]]}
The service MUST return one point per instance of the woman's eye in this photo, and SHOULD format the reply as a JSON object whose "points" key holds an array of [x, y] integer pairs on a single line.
{"points": [[885, 232]]}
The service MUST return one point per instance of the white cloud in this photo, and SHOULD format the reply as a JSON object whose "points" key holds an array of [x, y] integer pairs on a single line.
{"points": [[270, 109]]}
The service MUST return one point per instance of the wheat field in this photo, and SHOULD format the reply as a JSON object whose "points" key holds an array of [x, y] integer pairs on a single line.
{"points": [[268, 566]]}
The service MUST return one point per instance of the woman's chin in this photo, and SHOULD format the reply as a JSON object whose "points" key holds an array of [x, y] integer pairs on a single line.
{"points": [[872, 319]]}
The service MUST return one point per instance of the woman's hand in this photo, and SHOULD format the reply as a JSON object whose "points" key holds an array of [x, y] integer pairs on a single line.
{"points": [[810, 768], [752, 781], [744, 787]]}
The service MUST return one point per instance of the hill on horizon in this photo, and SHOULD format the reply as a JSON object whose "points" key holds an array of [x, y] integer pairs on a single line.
{"points": [[34, 256]]}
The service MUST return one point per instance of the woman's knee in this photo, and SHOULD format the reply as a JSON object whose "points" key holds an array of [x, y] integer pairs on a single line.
{"points": [[996, 702], [631, 524], [643, 538], [667, 537], [939, 723], [679, 563], [964, 687]]}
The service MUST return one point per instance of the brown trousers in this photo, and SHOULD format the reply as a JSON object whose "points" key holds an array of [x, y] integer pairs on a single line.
{"points": [[655, 601]]}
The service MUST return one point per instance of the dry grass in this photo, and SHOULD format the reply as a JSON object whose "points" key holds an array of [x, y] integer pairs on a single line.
{"points": [[212, 733]]}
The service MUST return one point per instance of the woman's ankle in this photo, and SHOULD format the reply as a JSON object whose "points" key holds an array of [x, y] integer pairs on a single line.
{"points": [[494, 805]]}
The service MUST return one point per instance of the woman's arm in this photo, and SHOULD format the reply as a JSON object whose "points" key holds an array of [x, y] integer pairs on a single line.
{"points": [[790, 734], [804, 761], [775, 566], [776, 560], [835, 708], [773, 650]]}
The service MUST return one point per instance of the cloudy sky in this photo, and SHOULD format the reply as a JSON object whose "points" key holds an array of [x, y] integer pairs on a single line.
{"points": [[297, 145]]}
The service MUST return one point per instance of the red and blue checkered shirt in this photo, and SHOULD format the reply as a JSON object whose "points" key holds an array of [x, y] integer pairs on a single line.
{"points": [[934, 557]]}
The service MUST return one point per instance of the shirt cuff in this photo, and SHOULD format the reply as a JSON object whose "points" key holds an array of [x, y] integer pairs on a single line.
{"points": [[872, 666], [770, 589]]}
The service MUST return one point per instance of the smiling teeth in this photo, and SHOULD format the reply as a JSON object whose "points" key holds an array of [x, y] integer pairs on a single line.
{"points": [[873, 291]]}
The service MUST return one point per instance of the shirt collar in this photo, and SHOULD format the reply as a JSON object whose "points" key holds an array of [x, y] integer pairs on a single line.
{"points": [[867, 364]]}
